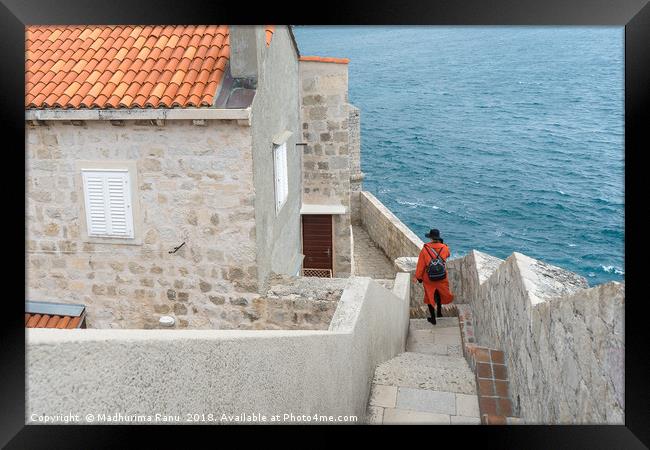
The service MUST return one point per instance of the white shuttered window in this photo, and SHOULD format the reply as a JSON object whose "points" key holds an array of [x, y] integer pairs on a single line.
{"points": [[107, 196], [281, 176]]}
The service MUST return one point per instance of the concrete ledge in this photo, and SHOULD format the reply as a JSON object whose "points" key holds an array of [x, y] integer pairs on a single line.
{"points": [[322, 209], [139, 114]]}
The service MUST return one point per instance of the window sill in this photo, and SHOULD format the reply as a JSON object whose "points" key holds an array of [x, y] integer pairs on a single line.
{"points": [[113, 241]]}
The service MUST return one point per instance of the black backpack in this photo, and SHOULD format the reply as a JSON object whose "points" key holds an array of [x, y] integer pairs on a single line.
{"points": [[436, 269]]}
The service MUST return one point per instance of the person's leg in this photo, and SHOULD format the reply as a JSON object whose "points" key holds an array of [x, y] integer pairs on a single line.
{"points": [[432, 311], [438, 303]]}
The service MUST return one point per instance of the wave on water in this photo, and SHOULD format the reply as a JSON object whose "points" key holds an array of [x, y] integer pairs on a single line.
{"points": [[613, 269], [416, 204]]}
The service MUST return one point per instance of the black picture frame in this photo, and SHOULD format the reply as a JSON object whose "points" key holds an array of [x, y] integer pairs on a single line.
{"points": [[634, 15]]}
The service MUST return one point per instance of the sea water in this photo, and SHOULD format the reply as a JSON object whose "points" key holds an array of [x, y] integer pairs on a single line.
{"points": [[504, 138]]}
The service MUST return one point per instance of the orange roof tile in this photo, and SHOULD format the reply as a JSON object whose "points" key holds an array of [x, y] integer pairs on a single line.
{"points": [[40, 314], [125, 66], [269, 34], [325, 59], [48, 321]]}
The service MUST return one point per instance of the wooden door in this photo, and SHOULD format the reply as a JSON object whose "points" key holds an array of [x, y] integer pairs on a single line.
{"points": [[317, 242]]}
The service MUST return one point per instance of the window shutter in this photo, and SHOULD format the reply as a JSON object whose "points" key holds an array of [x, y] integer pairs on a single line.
{"points": [[285, 175], [281, 175], [108, 203]]}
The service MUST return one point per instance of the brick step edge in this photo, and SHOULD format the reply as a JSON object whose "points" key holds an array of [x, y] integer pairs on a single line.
{"points": [[489, 367]]}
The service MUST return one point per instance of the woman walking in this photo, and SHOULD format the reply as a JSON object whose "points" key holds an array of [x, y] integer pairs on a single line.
{"points": [[431, 270]]}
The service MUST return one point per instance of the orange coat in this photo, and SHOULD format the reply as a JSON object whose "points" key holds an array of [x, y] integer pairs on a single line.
{"points": [[430, 287]]}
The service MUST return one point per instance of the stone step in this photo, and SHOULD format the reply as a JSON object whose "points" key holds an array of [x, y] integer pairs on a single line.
{"points": [[434, 372], [434, 349], [431, 341], [392, 405], [441, 322]]}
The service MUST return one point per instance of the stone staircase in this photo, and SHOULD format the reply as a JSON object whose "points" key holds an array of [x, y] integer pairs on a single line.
{"points": [[430, 383]]}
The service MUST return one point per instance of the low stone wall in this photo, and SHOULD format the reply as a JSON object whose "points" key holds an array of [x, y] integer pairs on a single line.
{"points": [[467, 273], [563, 342], [386, 230], [212, 373]]}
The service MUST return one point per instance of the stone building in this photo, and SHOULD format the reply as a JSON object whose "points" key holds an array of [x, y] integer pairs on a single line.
{"points": [[170, 169]]}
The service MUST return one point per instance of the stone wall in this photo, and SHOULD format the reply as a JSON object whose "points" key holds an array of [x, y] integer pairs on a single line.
{"points": [[564, 342], [194, 185], [396, 240], [356, 176], [276, 110], [326, 155], [181, 372], [467, 273], [386, 230]]}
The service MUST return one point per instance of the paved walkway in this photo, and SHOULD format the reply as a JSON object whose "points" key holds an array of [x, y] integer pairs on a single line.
{"points": [[431, 383], [370, 260]]}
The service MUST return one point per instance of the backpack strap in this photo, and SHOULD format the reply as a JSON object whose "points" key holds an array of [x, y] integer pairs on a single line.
{"points": [[434, 252]]}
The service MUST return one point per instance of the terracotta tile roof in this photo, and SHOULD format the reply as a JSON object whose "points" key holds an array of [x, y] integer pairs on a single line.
{"points": [[270, 29], [47, 321], [124, 66], [325, 59], [54, 315]]}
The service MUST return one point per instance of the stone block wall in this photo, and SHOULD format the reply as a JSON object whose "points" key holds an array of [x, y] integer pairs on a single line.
{"points": [[326, 155], [194, 185], [356, 176], [386, 230], [467, 273], [563, 342]]}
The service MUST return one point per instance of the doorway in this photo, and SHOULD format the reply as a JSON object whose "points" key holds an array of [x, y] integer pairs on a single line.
{"points": [[317, 245]]}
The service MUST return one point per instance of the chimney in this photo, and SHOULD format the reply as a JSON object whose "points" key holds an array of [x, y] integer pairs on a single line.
{"points": [[243, 52]]}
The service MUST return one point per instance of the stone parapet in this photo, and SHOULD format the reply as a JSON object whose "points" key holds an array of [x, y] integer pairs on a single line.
{"points": [[386, 230], [563, 341]]}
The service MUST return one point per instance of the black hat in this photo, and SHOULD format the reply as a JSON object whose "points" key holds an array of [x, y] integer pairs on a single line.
{"points": [[433, 234]]}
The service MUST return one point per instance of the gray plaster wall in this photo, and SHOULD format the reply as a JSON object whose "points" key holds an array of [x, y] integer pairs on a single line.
{"points": [[564, 342], [326, 157], [276, 109], [193, 184], [180, 372]]}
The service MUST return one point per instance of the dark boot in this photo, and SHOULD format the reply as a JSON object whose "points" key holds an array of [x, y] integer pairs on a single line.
{"points": [[432, 311], [438, 304]]}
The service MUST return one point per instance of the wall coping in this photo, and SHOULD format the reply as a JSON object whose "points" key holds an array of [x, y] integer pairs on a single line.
{"points": [[325, 59], [139, 114], [343, 321]]}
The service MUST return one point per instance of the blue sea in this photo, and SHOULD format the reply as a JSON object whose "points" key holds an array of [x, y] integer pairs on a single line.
{"points": [[504, 138]]}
